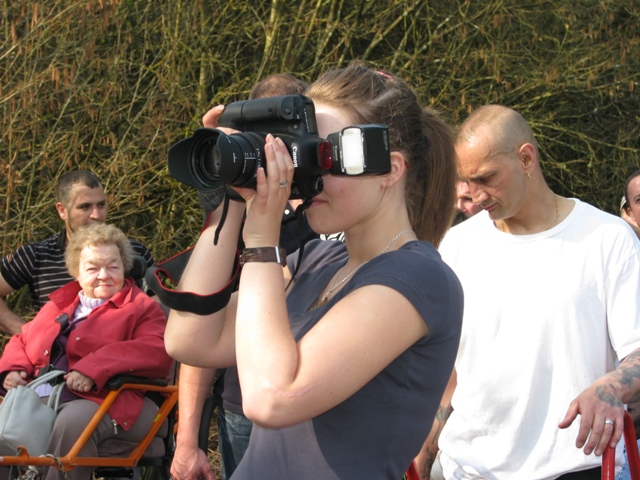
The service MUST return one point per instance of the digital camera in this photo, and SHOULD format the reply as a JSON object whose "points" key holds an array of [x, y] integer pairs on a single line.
{"points": [[210, 157]]}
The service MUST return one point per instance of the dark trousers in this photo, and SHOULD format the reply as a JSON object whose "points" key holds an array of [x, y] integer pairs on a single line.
{"points": [[591, 474], [234, 431]]}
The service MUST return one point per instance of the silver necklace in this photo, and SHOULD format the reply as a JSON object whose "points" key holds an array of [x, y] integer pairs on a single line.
{"points": [[333, 285]]}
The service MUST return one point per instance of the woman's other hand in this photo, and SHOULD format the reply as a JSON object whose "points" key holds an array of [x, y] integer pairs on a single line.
{"points": [[14, 379], [78, 382], [210, 120]]}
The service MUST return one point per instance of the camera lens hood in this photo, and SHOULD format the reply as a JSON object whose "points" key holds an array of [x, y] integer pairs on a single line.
{"points": [[185, 159]]}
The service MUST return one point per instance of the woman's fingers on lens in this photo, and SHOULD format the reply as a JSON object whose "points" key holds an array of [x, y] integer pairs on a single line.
{"points": [[285, 164], [279, 166], [272, 162], [282, 164]]}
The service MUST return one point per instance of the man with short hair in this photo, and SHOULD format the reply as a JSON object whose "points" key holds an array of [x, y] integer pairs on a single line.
{"points": [[465, 208], [630, 204], [41, 265], [551, 306]]}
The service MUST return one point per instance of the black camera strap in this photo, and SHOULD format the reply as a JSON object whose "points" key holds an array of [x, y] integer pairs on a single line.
{"points": [[161, 279], [230, 195]]}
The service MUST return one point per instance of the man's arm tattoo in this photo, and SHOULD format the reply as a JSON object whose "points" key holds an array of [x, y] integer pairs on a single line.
{"points": [[431, 457], [628, 375], [628, 370], [442, 415], [607, 397]]}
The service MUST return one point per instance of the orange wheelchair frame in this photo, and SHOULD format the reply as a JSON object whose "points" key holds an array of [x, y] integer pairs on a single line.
{"points": [[167, 411]]}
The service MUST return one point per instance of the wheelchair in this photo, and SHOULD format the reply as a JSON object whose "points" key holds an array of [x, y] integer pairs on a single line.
{"points": [[153, 453]]}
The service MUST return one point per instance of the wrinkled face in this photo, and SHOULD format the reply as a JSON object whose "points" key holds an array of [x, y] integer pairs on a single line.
{"points": [[633, 194], [496, 182], [464, 202], [100, 272], [85, 205], [344, 201]]}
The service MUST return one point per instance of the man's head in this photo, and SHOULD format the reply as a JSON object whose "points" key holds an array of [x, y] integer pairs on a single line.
{"points": [[81, 200], [277, 85], [631, 204], [498, 158], [464, 202]]}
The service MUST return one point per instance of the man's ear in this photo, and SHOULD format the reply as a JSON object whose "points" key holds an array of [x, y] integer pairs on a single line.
{"points": [[528, 157], [398, 169], [62, 211], [628, 217]]}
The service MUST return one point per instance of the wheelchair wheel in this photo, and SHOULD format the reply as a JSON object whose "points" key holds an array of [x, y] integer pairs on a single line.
{"points": [[205, 423]]}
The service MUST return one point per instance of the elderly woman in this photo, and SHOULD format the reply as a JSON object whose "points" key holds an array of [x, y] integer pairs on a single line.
{"points": [[96, 327]]}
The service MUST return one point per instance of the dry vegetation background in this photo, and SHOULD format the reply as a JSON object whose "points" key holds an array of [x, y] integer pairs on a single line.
{"points": [[109, 85]]}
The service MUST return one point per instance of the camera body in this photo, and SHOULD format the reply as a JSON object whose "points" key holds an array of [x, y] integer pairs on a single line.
{"points": [[210, 158]]}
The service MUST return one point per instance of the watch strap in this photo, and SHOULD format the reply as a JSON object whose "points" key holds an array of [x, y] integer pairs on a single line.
{"points": [[264, 254]]}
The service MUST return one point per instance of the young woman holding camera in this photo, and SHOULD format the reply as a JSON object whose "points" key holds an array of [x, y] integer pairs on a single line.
{"points": [[342, 372]]}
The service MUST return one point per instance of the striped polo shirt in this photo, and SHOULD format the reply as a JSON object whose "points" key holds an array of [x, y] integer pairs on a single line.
{"points": [[41, 265]]}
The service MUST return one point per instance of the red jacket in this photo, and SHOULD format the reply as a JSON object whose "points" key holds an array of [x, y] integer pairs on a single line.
{"points": [[125, 335]]}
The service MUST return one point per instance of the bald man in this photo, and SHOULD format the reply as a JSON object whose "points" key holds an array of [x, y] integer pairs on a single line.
{"points": [[551, 306]]}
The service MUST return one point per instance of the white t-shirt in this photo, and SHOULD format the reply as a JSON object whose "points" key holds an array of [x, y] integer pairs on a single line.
{"points": [[545, 315]]}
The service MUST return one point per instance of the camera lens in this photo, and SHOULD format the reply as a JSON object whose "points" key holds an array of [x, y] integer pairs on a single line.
{"points": [[210, 158], [233, 159]]}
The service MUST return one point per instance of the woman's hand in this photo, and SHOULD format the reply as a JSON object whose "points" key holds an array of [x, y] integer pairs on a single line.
{"points": [[14, 379], [210, 120], [78, 382], [262, 227], [266, 203]]}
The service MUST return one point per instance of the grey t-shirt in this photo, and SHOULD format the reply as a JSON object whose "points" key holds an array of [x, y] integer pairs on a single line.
{"points": [[378, 431]]}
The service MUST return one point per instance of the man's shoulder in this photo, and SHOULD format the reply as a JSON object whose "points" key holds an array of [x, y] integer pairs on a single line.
{"points": [[590, 219], [470, 229], [50, 245], [137, 245], [54, 242], [140, 249]]}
